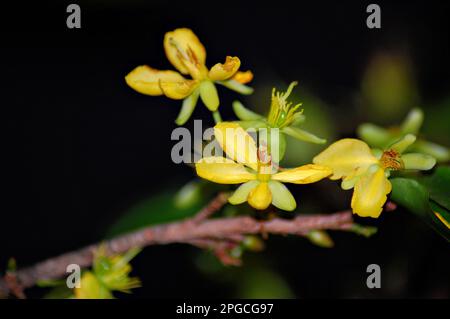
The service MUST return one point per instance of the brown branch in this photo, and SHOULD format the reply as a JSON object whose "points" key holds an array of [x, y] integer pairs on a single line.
{"points": [[196, 230]]}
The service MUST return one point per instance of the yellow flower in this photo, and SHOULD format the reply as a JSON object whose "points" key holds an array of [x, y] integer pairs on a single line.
{"points": [[367, 172], [91, 288], [246, 165], [109, 273], [187, 54]]}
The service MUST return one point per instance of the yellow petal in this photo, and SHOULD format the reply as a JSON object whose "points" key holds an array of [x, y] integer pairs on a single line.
{"points": [[220, 72], [145, 79], [237, 143], [303, 175], [178, 90], [260, 197], [223, 171], [184, 50], [346, 157], [243, 77], [370, 194]]}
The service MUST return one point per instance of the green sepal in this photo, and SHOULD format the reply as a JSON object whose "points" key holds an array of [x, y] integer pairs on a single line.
{"points": [[240, 195], [414, 196], [252, 124], [303, 135], [187, 108], [412, 122], [418, 161], [281, 196], [402, 144], [440, 153], [209, 95], [236, 86], [244, 113], [374, 135]]}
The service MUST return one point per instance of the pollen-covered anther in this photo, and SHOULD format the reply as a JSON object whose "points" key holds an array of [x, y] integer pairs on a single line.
{"points": [[391, 160], [229, 64]]}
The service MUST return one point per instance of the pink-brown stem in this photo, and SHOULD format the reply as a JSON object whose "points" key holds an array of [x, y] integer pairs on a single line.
{"points": [[198, 230]]}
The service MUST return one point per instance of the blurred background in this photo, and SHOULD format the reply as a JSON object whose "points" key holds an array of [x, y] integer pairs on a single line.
{"points": [[86, 156]]}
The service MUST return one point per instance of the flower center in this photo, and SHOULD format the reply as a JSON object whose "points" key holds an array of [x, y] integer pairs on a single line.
{"points": [[391, 160], [282, 112], [264, 164]]}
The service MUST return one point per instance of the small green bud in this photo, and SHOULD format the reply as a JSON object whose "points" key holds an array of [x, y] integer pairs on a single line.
{"points": [[365, 231], [253, 243], [236, 252], [12, 265], [320, 238], [189, 195]]}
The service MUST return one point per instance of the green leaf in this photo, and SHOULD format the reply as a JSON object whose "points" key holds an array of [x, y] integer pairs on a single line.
{"points": [[438, 185], [410, 194], [414, 196]]}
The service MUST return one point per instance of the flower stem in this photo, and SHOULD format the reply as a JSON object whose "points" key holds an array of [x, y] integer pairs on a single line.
{"points": [[217, 117]]}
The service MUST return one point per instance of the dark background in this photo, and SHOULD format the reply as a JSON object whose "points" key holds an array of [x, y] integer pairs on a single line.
{"points": [[81, 147]]}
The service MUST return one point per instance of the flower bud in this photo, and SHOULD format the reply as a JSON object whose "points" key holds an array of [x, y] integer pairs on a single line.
{"points": [[320, 238]]}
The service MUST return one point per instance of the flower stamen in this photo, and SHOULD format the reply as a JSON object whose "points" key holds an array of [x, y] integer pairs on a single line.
{"points": [[391, 160], [282, 112]]}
